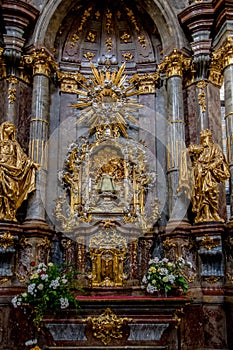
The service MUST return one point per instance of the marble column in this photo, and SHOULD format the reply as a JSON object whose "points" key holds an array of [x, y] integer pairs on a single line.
{"points": [[39, 129], [173, 65], [225, 55]]}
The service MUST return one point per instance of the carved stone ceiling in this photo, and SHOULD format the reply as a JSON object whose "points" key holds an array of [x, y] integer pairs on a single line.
{"points": [[120, 31]]}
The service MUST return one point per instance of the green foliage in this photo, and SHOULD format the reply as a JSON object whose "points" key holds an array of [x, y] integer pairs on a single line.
{"points": [[49, 288], [163, 275]]}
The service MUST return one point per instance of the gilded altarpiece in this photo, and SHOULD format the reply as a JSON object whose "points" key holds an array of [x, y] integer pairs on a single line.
{"points": [[108, 182]]}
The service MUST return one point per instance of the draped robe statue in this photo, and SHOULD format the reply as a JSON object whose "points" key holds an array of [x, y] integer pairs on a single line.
{"points": [[17, 173], [202, 168]]}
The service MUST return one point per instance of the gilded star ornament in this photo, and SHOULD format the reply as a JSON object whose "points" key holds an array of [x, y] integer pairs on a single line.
{"points": [[107, 99]]}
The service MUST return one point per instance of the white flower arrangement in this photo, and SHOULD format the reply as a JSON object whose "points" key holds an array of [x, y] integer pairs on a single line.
{"points": [[163, 275], [48, 288]]}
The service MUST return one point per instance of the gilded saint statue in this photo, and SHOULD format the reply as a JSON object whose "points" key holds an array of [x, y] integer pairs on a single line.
{"points": [[17, 173], [202, 168]]}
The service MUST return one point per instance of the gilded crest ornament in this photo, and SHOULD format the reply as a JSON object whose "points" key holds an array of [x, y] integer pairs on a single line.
{"points": [[6, 240], [107, 326]]}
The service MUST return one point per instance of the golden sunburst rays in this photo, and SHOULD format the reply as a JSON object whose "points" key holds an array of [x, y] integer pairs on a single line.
{"points": [[107, 98]]}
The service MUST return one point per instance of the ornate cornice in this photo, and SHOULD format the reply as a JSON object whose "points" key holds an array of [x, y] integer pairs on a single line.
{"points": [[146, 83], [70, 82], [196, 17], [174, 64], [197, 21], [18, 13], [18, 17], [42, 62], [223, 12]]}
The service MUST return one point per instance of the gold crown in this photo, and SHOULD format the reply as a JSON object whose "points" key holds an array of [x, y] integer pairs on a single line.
{"points": [[205, 132]]}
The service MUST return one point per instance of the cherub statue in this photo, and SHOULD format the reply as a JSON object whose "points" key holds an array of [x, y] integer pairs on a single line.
{"points": [[17, 173], [203, 167]]}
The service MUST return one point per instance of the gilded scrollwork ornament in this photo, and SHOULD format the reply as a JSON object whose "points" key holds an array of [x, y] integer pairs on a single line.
{"points": [[108, 326], [209, 243], [6, 240]]}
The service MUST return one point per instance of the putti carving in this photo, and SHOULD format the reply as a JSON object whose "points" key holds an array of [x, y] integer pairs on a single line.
{"points": [[209, 243], [107, 172]]}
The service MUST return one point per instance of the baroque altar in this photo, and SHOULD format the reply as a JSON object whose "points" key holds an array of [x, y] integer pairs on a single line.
{"points": [[108, 183]]}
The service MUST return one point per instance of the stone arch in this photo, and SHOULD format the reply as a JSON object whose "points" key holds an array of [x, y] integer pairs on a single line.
{"points": [[160, 12]]}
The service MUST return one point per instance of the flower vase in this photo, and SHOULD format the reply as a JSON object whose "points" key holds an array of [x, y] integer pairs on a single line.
{"points": [[176, 291], [158, 294], [162, 293]]}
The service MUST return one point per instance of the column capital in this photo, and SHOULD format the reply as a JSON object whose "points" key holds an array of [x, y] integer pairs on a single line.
{"points": [[224, 56], [174, 64], [41, 61]]}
